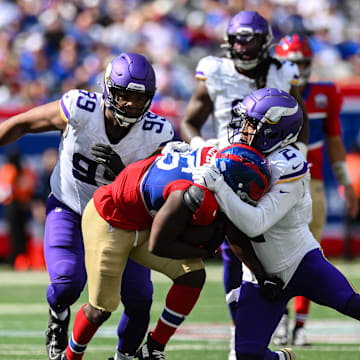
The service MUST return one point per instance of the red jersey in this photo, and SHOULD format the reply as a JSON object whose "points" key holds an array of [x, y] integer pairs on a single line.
{"points": [[139, 191], [323, 103]]}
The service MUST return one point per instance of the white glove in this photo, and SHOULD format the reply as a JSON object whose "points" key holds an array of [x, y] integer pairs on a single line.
{"points": [[207, 175], [180, 146]]}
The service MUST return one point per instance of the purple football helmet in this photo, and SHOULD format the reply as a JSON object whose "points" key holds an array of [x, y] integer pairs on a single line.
{"points": [[247, 39], [267, 119], [245, 170], [129, 87]]}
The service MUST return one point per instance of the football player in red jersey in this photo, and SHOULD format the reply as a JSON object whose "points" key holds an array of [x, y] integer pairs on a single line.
{"points": [[323, 103], [144, 215]]}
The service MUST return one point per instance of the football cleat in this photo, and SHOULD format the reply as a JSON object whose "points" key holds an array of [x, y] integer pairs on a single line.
{"points": [[280, 336], [151, 350], [288, 353], [299, 337], [57, 337]]}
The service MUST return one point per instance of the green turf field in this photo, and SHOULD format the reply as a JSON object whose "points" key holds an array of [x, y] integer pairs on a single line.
{"points": [[204, 335]]}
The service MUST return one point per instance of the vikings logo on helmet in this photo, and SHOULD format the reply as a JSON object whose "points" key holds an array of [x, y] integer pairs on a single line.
{"points": [[245, 170], [273, 114]]}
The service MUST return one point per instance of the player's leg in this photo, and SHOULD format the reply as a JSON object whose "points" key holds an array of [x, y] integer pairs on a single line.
{"points": [[106, 253], [64, 255], [136, 295], [232, 276], [332, 288], [189, 277], [302, 304], [256, 320]]}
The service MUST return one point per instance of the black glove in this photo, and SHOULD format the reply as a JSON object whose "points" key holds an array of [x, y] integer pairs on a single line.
{"points": [[271, 288], [107, 157]]}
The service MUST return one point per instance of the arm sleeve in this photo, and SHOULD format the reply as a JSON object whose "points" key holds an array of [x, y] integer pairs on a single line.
{"points": [[256, 220]]}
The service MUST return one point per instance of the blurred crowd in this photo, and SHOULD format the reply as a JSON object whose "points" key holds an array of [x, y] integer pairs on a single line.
{"points": [[50, 46]]}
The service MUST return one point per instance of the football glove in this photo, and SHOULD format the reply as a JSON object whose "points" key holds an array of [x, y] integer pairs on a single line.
{"points": [[271, 288], [180, 146], [206, 176], [107, 157]]}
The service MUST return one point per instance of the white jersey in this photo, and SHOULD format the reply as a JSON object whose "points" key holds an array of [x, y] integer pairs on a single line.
{"points": [[281, 216], [227, 87], [77, 175]]}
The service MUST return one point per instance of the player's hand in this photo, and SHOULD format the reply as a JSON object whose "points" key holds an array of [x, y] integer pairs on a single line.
{"points": [[206, 175], [271, 288], [107, 157], [180, 146]]}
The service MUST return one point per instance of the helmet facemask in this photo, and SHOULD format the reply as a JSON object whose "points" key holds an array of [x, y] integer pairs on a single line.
{"points": [[129, 87], [119, 98]]}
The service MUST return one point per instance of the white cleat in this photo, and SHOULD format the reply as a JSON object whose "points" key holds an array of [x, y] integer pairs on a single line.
{"points": [[281, 333]]}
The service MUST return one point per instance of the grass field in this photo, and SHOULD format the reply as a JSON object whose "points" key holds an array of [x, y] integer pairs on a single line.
{"points": [[204, 335]]}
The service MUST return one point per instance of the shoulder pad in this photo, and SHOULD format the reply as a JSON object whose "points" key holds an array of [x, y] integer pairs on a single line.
{"points": [[193, 198], [283, 77], [287, 164], [207, 66], [77, 106]]}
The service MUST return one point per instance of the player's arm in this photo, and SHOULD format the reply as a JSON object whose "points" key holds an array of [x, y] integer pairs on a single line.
{"points": [[304, 134], [337, 155], [256, 220], [166, 236], [242, 248], [197, 111], [39, 119]]}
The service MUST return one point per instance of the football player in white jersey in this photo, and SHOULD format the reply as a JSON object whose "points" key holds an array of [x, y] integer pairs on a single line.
{"points": [[224, 82], [101, 133], [269, 120]]}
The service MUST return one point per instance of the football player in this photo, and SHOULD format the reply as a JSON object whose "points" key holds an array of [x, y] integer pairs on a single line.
{"points": [[323, 103], [223, 82], [101, 133], [142, 216], [269, 120]]}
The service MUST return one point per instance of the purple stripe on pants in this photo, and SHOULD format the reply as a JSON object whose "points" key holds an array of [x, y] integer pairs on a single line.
{"points": [[257, 318]]}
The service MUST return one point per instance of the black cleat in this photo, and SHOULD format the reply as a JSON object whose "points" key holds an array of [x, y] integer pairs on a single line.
{"points": [[57, 337], [151, 350]]}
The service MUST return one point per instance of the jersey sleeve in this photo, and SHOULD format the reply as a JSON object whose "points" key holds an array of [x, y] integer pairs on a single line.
{"points": [[287, 165], [256, 220], [332, 125], [77, 104], [285, 77], [207, 210], [209, 70]]}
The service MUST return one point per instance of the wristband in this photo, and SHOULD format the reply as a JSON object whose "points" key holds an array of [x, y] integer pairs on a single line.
{"points": [[302, 148], [197, 142], [341, 173]]}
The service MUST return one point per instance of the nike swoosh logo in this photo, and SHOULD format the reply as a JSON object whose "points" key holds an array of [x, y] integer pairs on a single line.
{"points": [[284, 192], [295, 167]]}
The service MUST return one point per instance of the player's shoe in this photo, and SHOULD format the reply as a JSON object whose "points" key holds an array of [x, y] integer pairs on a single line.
{"points": [[281, 333], [120, 356], [151, 350], [288, 353], [299, 337], [57, 337]]}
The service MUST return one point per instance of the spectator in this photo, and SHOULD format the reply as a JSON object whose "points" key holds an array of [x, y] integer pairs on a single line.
{"points": [[17, 186]]}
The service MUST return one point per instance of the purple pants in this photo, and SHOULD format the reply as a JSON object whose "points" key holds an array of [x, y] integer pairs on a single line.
{"points": [[64, 255], [315, 278], [232, 273]]}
